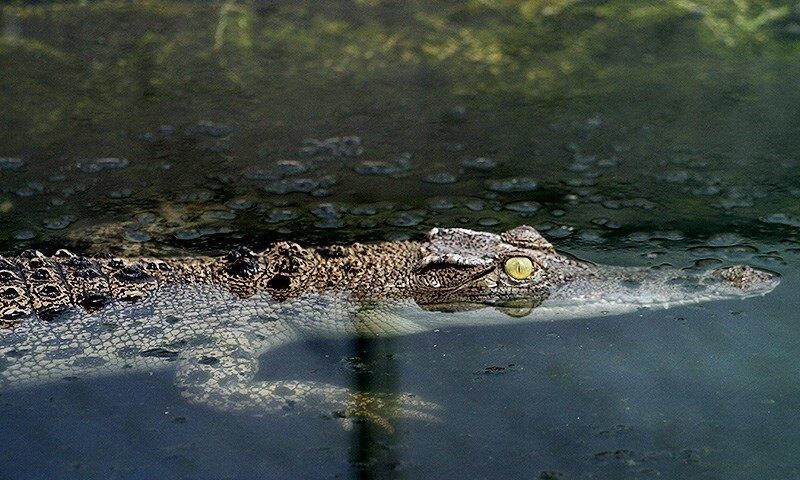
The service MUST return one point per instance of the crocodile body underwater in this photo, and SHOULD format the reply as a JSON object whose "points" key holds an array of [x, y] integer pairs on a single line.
{"points": [[212, 318]]}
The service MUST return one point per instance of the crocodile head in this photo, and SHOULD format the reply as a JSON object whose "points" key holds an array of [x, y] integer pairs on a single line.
{"points": [[518, 271]]}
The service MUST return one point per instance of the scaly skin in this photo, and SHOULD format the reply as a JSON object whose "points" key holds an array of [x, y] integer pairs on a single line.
{"points": [[211, 318]]}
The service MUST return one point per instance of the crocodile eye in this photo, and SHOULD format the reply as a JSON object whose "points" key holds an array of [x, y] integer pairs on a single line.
{"points": [[519, 268]]}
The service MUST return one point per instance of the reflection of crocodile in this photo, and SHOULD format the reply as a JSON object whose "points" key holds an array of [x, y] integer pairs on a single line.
{"points": [[67, 316]]}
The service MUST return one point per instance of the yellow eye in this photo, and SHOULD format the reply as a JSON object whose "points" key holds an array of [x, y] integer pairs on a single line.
{"points": [[519, 268]]}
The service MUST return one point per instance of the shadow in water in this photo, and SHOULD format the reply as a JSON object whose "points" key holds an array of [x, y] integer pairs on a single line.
{"points": [[372, 453]]}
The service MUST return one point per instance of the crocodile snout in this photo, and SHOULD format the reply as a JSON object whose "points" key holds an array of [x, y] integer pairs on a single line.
{"points": [[748, 279]]}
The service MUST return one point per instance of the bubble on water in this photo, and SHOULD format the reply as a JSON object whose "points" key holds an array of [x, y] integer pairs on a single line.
{"points": [[332, 147], [260, 174], [329, 223], [709, 190], [621, 148], [706, 263], [594, 122], [218, 215], [515, 184], [739, 197], [678, 176], [578, 167], [209, 128], [580, 182], [524, 207], [146, 137], [188, 235], [591, 236], [488, 221], [11, 163], [782, 218], [295, 185], [165, 130], [610, 162], [327, 181], [699, 164], [735, 252], [405, 219], [136, 236], [557, 212], [59, 223], [145, 218], [327, 211], [100, 164], [629, 203], [25, 192], [239, 203], [560, 231], [440, 178], [481, 164], [285, 168], [441, 204], [376, 167], [30, 189], [724, 240], [191, 196], [731, 203], [772, 260], [277, 215], [671, 235], [475, 204], [280, 169], [605, 222], [364, 210], [455, 147], [24, 235], [586, 159], [400, 165]]}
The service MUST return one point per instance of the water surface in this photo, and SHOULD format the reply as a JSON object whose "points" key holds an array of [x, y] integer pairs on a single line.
{"points": [[633, 133]]}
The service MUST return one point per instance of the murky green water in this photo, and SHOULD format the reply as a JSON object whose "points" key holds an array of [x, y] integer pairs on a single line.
{"points": [[633, 133]]}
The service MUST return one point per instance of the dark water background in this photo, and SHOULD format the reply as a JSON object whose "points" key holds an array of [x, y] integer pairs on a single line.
{"points": [[635, 133]]}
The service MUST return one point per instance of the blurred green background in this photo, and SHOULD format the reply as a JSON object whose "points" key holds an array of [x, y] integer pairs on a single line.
{"points": [[631, 117]]}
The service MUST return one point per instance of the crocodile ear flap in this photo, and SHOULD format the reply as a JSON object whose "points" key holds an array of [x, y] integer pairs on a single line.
{"points": [[459, 247]]}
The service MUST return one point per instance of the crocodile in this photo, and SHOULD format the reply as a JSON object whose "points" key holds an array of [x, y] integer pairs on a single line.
{"points": [[212, 318]]}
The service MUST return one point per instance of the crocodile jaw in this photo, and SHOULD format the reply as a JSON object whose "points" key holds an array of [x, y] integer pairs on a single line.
{"points": [[613, 290], [602, 291]]}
